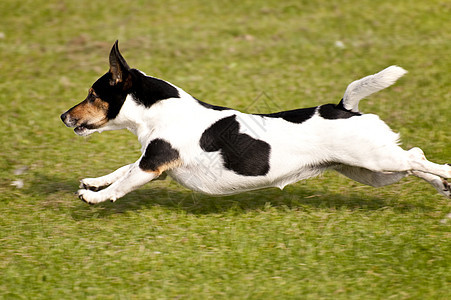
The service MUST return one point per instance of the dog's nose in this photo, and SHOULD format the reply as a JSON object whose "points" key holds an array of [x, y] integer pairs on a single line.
{"points": [[67, 120], [63, 117]]}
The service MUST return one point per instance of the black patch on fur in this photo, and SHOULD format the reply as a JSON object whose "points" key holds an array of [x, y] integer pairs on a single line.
{"points": [[114, 95], [241, 153], [149, 90], [341, 105], [297, 116], [210, 106], [158, 153], [333, 112], [146, 90]]}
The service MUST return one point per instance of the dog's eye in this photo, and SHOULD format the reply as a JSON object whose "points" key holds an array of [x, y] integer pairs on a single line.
{"points": [[91, 98]]}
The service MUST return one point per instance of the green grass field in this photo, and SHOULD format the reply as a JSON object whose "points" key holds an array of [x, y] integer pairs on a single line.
{"points": [[325, 238]]}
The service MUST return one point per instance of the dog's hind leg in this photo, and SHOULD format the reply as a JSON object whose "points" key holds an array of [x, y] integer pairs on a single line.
{"points": [[99, 183], [365, 176], [420, 164], [392, 166], [440, 184], [395, 159], [378, 179]]}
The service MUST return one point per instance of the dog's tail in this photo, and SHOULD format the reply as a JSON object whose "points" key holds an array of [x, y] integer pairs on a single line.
{"points": [[359, 89]]}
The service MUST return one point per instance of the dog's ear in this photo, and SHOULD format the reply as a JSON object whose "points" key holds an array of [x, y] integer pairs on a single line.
{"points": [[118, 66]]}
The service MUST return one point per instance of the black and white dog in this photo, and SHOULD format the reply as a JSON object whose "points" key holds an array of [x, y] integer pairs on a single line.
{"points": [[220, 151]]}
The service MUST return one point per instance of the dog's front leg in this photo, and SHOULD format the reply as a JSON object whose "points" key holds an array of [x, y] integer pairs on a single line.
{"points": [[133, 178], [96, 184], [159, 157]]}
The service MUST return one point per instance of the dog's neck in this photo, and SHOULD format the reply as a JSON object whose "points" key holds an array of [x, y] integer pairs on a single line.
{"points": [[131, 117], [142, 121]]}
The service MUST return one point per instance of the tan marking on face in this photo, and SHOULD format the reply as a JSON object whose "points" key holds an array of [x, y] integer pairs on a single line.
{"points": [[91, 113]]}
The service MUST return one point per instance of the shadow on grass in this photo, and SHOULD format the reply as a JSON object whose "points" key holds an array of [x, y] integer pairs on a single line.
{"points": [[167, 194], [195, 203]]}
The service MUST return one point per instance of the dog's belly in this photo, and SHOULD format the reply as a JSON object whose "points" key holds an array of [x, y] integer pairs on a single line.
{"points": [[214, 180], [221, 181]]}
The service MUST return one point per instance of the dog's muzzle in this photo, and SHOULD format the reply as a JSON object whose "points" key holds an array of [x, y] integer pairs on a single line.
{"points": [[70, 122]]}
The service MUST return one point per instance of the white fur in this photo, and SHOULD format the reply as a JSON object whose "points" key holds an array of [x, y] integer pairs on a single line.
{"points": [[363, 148], [368, 85]]}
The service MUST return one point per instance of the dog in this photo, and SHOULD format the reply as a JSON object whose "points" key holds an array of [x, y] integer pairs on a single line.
{"points": [[220, 151]]}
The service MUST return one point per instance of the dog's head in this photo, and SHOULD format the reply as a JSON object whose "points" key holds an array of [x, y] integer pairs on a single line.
{"points": [[105, 98]]}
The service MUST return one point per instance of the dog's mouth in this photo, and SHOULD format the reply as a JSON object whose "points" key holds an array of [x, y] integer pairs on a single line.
{"points": [[84, 129], [80, 129]]}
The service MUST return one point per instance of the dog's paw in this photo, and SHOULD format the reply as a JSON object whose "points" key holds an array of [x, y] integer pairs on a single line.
{"points": [[86, 196], [92, 184], [92, 197], [89, 196], [446, 191]]}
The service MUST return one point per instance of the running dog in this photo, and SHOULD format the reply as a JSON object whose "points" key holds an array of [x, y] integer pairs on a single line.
{"points": [[220, 151]]}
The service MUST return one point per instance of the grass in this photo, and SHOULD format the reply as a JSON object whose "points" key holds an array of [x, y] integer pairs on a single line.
{"points": [[326, 238]]}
